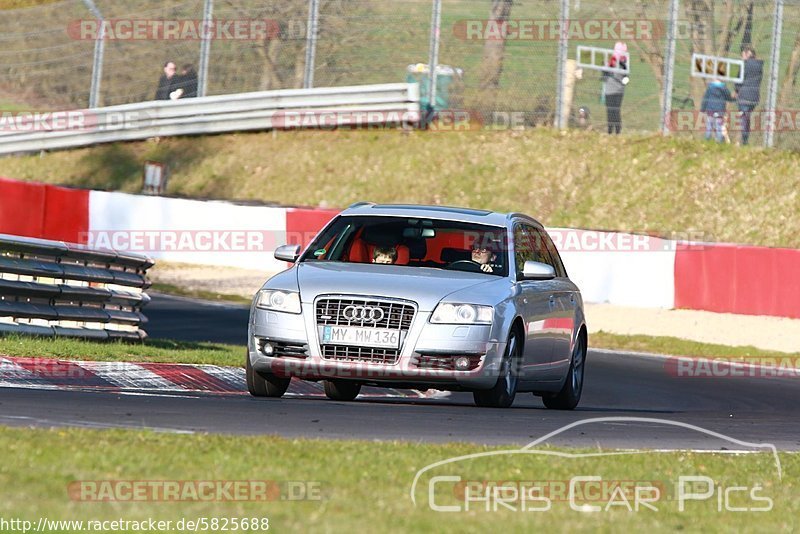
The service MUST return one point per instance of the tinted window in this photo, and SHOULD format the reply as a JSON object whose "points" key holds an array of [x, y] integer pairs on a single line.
{"points": [[557, 264], [414, 242], [528, 247]]}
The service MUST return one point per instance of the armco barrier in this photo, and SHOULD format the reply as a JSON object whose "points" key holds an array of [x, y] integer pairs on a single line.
{"points": [[52, 288], [320, 108]]}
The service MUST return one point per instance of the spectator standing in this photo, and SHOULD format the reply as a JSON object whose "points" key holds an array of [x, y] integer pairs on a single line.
{"points": [[715, 102], [614, 87], [166, 84], [187, 83], [748, 92]]}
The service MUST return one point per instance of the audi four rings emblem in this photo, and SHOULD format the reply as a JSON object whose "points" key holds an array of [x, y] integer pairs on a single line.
{"points": [[363, 313]]}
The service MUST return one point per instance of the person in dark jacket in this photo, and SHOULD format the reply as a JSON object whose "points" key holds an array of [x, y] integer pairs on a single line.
{"points": [[748, 92], [187, 83], [166, 84], [715, 103]]}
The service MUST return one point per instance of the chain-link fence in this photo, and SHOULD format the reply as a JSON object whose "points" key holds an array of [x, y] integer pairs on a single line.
{"points": [[515, 63]]}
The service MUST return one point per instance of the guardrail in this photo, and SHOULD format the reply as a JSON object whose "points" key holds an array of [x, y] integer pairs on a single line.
{"points": [[52, 288], [326, 107]]}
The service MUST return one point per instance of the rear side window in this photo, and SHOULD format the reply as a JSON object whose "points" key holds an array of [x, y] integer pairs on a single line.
{"points": [[556, 262]]}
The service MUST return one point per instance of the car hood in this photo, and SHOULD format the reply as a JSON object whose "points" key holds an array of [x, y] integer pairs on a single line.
{"points": [[426, 286]]}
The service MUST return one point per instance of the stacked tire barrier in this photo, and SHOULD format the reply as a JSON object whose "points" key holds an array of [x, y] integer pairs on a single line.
{"points": [[52, 288]]}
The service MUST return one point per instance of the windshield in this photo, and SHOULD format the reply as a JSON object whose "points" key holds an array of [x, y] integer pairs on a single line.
{"points": [[414, 242]]}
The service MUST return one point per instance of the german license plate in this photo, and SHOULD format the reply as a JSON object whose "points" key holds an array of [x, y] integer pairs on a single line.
{"points": [[367, 337]]}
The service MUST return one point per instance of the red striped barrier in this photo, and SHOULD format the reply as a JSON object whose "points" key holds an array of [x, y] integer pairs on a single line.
{"points": [[738, 279], [40, 210]]}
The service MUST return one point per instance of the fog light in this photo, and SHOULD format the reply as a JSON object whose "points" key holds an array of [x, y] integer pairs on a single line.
{"points": [[462, 363], [267, 349]]}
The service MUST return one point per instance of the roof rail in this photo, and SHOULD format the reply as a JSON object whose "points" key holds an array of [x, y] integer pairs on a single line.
{"points": [[362, 203]]}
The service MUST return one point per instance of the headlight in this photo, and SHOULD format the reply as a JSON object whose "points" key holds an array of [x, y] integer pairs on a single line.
{"points": [[446, 313], [284, 301]]}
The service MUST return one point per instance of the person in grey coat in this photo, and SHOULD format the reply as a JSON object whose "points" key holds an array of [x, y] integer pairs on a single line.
{"points": [[614, 87], [748, 92]]}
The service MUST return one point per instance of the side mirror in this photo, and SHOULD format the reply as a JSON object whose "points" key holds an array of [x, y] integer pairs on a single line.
{"points": [[288, 253], [534, 270]]}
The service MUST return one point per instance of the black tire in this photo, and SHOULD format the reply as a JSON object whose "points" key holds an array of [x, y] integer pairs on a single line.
{"points": [[341, 390], [264, 384], [505, 389], [570, 394]]}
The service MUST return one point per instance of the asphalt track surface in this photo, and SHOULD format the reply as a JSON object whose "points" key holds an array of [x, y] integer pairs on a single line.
{"points": [[623, 387]]}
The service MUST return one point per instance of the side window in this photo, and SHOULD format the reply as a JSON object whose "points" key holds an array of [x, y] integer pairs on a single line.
{"points": [[528, 247], [557, 264]]}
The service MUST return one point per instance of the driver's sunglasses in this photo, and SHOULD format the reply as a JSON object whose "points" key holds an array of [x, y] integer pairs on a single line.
{"points": [[478, 249]]}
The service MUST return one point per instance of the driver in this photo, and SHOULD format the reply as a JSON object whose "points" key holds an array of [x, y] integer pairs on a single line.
{"points": [[485, 257]]}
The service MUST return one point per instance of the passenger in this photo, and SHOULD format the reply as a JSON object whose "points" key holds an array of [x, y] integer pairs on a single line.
{"points": [[384, 255]]}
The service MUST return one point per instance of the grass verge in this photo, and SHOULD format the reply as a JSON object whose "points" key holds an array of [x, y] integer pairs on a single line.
{"points": [[152, 350], [174, 289], [684, 347], [365, 485]]}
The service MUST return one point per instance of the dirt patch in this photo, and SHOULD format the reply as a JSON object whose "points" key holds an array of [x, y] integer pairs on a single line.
{"points": [[770, 333]]}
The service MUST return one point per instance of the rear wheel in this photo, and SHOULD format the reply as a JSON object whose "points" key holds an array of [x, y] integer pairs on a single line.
{"points": [[341, 390], [264, 384], [503, 393], [570, 394]]}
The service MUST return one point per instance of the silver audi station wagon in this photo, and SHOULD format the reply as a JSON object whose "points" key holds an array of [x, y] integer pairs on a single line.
{"points": [[422, 297]]}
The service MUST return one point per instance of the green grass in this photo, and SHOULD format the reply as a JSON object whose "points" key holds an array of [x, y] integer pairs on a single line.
{"points": [[152, 350], [365, 485], [575, 179], [684, 347]]}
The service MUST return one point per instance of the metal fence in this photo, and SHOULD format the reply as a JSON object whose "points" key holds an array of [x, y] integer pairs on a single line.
{"points": [[517, 57], [52, 288]]}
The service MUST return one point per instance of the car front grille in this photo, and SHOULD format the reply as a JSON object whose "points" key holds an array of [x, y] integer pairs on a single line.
{"points": [[395, 316], [346, 353]]}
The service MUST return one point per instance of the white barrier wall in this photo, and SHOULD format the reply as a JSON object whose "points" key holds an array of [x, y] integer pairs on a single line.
{"points": [[189, 231], [618, 268]]}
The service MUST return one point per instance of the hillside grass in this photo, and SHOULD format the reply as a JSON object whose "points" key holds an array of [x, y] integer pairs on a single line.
{"points": [[642, 183]]}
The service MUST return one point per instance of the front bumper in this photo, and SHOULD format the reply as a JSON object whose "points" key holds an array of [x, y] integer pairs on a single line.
{"points": [[297, 337]]}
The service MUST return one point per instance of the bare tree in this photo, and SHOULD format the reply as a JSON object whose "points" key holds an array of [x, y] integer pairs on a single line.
{"points": [[494, 48], [790, 78], [281, 57]]}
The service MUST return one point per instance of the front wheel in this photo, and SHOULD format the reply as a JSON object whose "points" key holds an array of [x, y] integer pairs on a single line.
{"points": [[570, 394], [264, 384], [503, 393], [341, 390]]}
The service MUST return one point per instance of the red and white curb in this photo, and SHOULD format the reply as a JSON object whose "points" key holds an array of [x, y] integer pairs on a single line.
{"points": [[48, 373]]}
